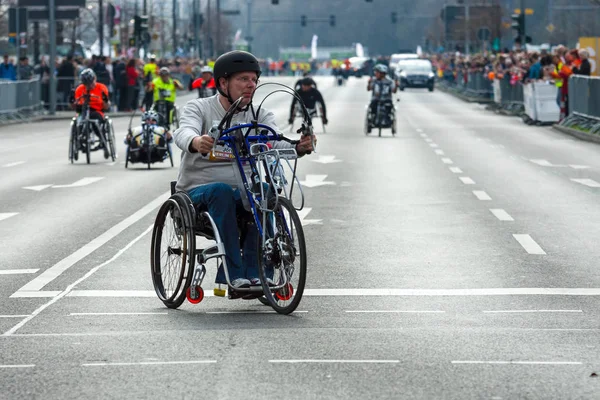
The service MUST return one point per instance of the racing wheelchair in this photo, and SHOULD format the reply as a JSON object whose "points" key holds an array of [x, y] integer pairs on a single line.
{"points": [[316, 112], [383, 118], [84, 134], [147, 143], [178, 267], [167, 118]]}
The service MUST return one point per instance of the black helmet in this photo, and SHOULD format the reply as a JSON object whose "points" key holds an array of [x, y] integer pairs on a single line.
{"points": [[233, 62], [307, 82], [87, 76]]}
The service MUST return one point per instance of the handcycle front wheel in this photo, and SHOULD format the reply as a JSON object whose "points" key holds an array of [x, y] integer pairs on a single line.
{"points": [[173, 251], [282, 258], [111, 140]]}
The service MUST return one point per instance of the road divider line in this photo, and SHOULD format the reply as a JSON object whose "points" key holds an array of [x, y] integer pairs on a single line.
{"points": [[433, 145], [395, 311], [501, 214], [439, 152], [531, 311], [251, 312], [481, 195], [530, 245], [587, 182], [428, 140], [456, 170], [521, 362], [447, 161], [93, 314], [57, 269], [14, 316], [14, 164], [334, 361], [18, 366], [18, 271], [74, 284], [128, 364], [466, 180], [7, 215]]}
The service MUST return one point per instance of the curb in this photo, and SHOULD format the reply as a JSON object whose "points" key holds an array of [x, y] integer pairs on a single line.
{"points": [[577, 133]]}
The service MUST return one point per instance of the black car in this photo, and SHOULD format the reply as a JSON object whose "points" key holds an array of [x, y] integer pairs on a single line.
{"points": [[415, 74]]}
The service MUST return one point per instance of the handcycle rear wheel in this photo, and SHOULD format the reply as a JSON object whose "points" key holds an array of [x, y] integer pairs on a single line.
{"points": [[287, 267], [73, 143], [173, 251]]}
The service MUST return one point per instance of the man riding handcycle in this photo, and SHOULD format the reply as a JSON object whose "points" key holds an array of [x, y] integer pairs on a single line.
{"points": [[165, 93], [312, 99], [226, 191], [381, 112], [91, 130], [148, 142]]}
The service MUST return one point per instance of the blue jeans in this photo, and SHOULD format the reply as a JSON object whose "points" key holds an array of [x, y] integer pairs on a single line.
{"points": [[223, 203]]}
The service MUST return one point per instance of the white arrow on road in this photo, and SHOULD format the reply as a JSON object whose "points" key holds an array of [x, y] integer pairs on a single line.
{"points": [[37, 188], [303, 213], [81, 182], [315, 180], [326, 159], [8, 215]]}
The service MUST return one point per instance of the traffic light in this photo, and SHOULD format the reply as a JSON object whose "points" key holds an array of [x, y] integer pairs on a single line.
{"points": [[518, 25], [143, 23], [59, 32], [303, 20], [394, 17], [332, 20], [137, 22], [132, 42]]}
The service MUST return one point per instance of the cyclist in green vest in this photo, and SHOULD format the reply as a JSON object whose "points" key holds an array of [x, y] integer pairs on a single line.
{"points": [[165, 90]]}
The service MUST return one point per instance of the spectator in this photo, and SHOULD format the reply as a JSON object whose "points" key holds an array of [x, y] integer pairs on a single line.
{"points": [[66, 81], [43, 70], [535, 71], [25, 70], [120, 75], [132, 83], [585, 67], [7, 70]]}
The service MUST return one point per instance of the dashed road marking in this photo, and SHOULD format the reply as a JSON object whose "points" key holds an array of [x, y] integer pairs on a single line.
{"points": [[395, 311], [447, 161], [439, 152], [501, 214], [101, 314], [530, 311], [521, 362], [481, 195], [334, 361], [456, 170], [18, 271], [81, 182], [587, 182], [129, 364], [529, 244], [18, 366], [466, 180], [14, 164], [433, 145]]}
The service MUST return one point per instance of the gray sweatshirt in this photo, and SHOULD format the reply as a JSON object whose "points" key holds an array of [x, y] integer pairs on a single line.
{"points": [[198, 117]]}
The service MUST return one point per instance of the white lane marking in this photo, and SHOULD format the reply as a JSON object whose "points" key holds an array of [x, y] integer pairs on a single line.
{"points": [[345, 184], [326, 159], [111, 164], [395, 311], [419, 130], [14, 164], [355, 292], [334, 361], [315, 180], [587, 182], [466, 180], [531, 311], [447, 161], [481, 195], [501, 214], [37, 188], [35, 293], [456, 170], [529, 244], [521, 362], [439, 152], [57, 269], [251, 312], [303, 213], [128, 364], [433, 145], [428, 140], [544, 163], [81, 182], [424, 135], [18, 366], [92, 314], [575, 166], [7, 215], [74, 284], [17, 271], [14, 316]]}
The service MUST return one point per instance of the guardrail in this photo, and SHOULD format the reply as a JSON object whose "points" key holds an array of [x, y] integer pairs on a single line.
{"points": [[472, 86], [20, 100], [584, 104]]}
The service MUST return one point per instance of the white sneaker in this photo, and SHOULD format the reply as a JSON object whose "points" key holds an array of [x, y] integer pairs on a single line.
{"points": [[240, 283]]}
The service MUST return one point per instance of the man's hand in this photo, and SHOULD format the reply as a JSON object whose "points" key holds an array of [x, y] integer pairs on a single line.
{"points": [[306, 144], [202, 144], [325, 121], [290, 121]]}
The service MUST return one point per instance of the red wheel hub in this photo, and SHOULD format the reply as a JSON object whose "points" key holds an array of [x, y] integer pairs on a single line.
{"points": [[199, 295], [285, 293]]}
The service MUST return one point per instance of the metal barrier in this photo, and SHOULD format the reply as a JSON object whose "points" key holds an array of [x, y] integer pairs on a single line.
{"points": [[475, 87], [510, 97], [584, 103], [20, 100]]}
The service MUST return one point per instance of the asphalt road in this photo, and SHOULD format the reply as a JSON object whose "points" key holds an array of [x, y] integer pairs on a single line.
{"points": [[456, 260]]}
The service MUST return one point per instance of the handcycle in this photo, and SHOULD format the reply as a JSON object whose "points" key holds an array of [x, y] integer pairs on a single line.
{"points": [[384, 117], [316, 112], [84, 138], [178, 268], [166, 118], [151, 146]]}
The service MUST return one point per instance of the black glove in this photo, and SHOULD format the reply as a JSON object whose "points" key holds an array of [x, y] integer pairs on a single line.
{"points": [[325, 121], [290, 121]]}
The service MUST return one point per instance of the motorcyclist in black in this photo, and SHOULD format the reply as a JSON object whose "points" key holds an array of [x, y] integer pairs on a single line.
{"points": [[310, 96]]}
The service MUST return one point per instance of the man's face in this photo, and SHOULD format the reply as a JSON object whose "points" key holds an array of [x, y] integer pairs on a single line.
{"points": [[206, 76], [91, 85], [6, 59], [242, 84], [164, 77], [306, 88], [379, 75]]}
